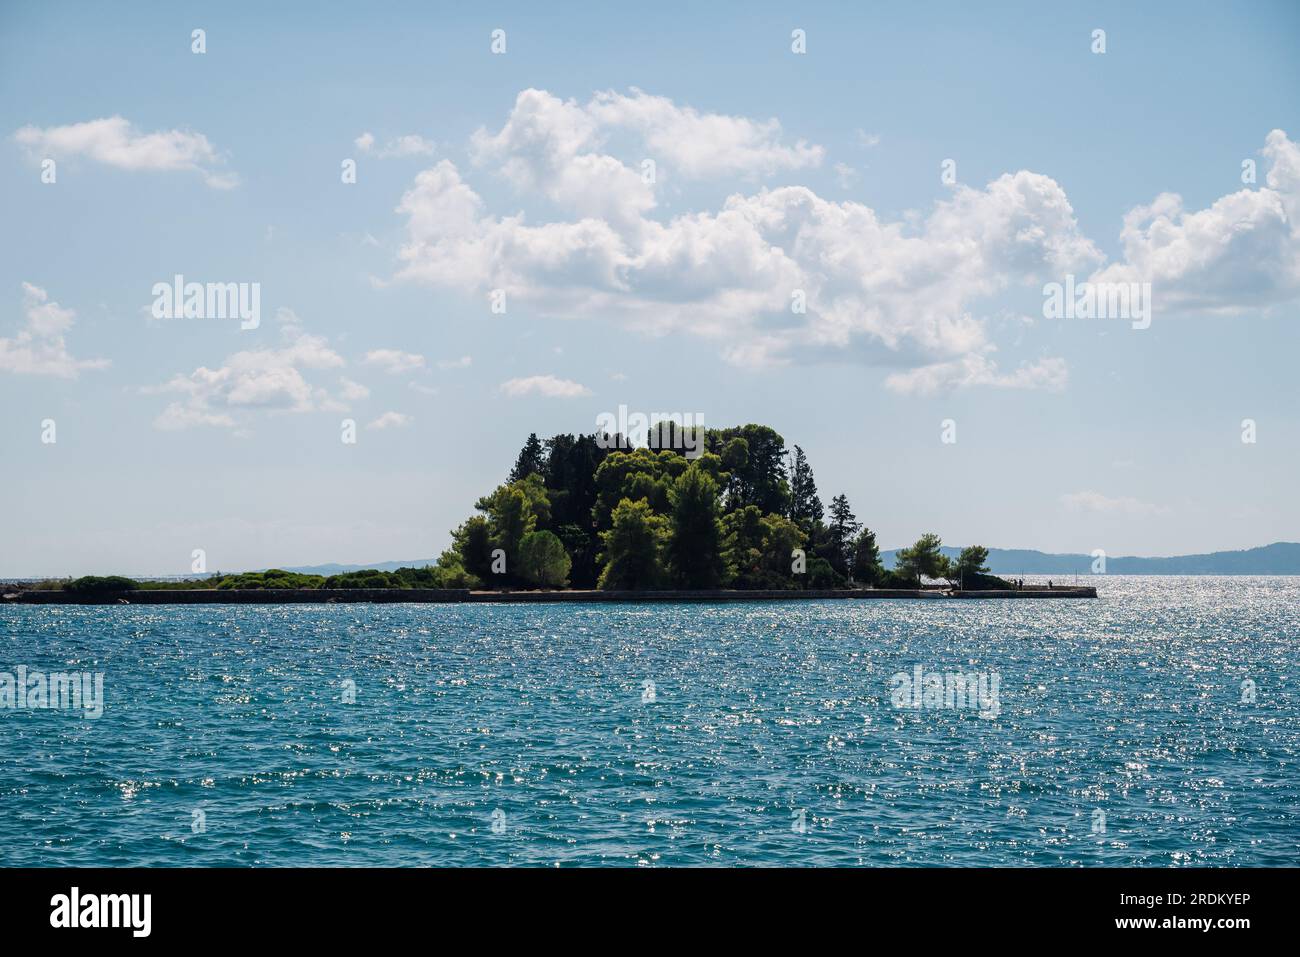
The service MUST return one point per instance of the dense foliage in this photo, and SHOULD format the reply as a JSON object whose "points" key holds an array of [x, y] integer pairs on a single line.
{"points": [[743, 514], [271, 578], [95, 584]]}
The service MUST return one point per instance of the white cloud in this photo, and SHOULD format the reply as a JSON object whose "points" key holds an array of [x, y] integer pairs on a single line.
{"points": [[352, 391], [179, 416], [977, 370], [845, 175], [703, 144], [39, 347], [553, 147], [1089, 501], [544, 385], [410, 144], [547, 147], [463, 362], [1243, 251], [912, 294], [252, 381], [868, 140], [394, 361], [390, 420], [114, 142], [899, 290]]}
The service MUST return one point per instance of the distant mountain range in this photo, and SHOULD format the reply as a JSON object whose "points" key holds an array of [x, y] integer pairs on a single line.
{"points": [[1280, 558]]}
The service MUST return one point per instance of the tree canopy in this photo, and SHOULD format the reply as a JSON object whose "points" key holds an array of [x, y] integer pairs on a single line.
{"points": [[742, 513]]}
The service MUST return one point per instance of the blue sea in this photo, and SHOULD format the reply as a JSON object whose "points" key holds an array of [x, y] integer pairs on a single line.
{"points": [[1156, 726]]}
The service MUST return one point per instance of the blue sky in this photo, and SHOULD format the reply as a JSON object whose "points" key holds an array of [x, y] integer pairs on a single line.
{"points": [[774, 172]]}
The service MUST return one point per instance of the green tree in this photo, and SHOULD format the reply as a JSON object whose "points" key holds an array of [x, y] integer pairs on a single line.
{"points": [[973, 561], [510, 520], [805, 505], [734, 454], [271, 578], [531, 460], [639, 474], [543, 560], [924, 558], [695, 542], [780, 538], [742, 546], [758, 549], [867, 569], [758, 477], [95, 584], [634, 547], [472, 545], [842, 530], [450, 571], [513, 511], [582, 546], [571, 464], [365, 578], [822, 575]]}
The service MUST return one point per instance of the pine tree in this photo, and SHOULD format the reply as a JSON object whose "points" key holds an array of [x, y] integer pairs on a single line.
{"points": [[842, 529], [695, 542], [634, 547], [867, 569], [532, 460], [805, 505]]}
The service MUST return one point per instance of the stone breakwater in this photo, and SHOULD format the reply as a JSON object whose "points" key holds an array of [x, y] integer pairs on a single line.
{"points": [[277, 596]]}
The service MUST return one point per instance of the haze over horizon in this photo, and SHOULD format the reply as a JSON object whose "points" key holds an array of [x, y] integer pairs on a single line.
{"points": [[666, 287]]}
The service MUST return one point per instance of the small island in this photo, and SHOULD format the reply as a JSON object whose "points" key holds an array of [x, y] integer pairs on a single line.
{"points": [[693, 514]]}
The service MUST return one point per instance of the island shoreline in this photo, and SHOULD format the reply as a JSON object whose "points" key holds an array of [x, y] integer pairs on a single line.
{"points": [[298, 596]]}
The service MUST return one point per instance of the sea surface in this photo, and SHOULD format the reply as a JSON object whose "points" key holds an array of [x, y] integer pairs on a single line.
{"points": [[1126, 733]]}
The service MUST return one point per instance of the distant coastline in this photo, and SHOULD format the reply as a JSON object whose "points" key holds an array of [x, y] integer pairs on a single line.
{"points": [[1279, 558]]}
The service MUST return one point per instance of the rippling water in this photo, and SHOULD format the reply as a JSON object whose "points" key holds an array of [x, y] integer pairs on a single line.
{"points": [[771, 737]]}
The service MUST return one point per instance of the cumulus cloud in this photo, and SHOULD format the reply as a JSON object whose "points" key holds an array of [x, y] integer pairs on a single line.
{"points": [[548, 386], [1096, 502], [390, 420], [702, 144], [114, 142], [1243, 251], [394, 361], [257, 380], [739, 275], [782, 275], [463, 362], [39, 347]]}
